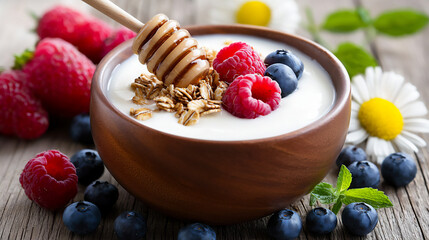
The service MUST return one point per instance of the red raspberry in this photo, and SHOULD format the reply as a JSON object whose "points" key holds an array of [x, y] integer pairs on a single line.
{"points": [[251, 96], [61, 77], [22, 114], [85, 32], [237, 59], [119, 36], [49, 179]]}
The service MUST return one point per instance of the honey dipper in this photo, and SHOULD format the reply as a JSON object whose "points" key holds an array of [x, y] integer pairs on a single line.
{"points": [[168, 50]]}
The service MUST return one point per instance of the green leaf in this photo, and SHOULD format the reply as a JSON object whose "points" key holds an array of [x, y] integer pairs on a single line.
{"points": [[325, 193], [401, 22], [354, 58], [313, 200], [344, 179], [345, 20], [21, 60], [337, 206], [364, 15], [373, 197]]}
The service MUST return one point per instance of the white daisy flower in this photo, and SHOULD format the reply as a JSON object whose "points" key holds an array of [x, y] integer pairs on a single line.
{"points": [[282, 15], [387, 114]]}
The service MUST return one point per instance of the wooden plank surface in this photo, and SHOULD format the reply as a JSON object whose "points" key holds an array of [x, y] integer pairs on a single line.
{"points": [[21, 219]]}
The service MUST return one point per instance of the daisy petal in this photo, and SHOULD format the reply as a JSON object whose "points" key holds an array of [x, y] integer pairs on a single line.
{"points": [[354, 125], [370, 147], [357, 96], [360, 88], [418, 141], [414, 109], [405, 145], [356, 137], [391, 83], [407, 94], [355, 106], [416, 125]]}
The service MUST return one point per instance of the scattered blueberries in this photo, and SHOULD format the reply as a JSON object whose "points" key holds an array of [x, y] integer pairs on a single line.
{"points": [[350, 155], [359, 218], [196, 231], [80, 129], [364, 174], [81, 217], [288, 58], [321, 221], [102, 194], [130, 226], [398, 169], [284, 224], [89, 166], [284, 76]]}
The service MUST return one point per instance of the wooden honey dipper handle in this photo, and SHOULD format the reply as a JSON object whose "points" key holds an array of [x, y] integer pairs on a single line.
{"points": [[116, 13]]}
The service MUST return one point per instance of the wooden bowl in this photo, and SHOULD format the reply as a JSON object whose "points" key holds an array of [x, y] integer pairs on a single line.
{"points": [[219, 182]]}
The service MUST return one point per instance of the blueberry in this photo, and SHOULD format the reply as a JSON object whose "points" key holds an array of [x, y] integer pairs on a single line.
{"points": [[288, 58], [196, 231], [102, 194], [284, 76], [364, 174], [81, 217], [349, 155], [284, 224], [398, 169], [130, 226], [321, 221], [89, 166], [359, 218], [80, 129]]}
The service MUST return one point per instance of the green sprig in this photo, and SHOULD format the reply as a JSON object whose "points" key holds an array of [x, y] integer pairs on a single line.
{"points": [[325, 193]]}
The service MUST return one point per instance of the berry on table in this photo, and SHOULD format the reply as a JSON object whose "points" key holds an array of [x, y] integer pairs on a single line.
{"points": [[22, 114], [364, 174], [49, 179], [130, 226], [61, 77], [102, 194], [89, 166], [284, 224], [196, 231], [284, 76], [237, 59], [288, 58], [80, 129], [117, 37], [251, 96], [82, 217], [350, 155], [398, 169], [359, 218], [85, 32], [321, 221]]}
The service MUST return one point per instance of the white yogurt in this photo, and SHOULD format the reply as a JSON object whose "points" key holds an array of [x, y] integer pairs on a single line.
{"points": [[312, 99]]}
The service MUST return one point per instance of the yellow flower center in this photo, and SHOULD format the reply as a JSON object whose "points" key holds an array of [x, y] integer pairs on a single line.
{"points": [[254, 13], [381, 118]]}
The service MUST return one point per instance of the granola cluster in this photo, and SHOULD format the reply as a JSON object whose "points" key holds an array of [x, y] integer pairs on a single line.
{"points": [[188, 104]]}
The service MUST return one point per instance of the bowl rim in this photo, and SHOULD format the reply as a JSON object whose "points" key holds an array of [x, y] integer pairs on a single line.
{"points": [[340, 100]]}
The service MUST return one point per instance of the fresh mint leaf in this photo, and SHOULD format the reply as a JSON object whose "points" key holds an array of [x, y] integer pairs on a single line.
{"points": [[344, 179], [337, 206], [354, 58], [324, 192], [401, 22], [372, 196], [313, 200], [345, 20]]}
